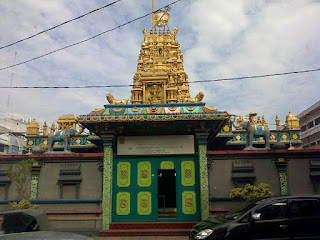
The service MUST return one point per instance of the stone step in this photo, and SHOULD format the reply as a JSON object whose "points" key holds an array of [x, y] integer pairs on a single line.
{"points": [[145, 232], [152, 225]]}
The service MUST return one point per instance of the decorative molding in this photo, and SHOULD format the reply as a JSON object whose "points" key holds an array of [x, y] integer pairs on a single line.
{"points": [[204, 184], [107, 187], [243, 172], [5, 180], [70, 174]]}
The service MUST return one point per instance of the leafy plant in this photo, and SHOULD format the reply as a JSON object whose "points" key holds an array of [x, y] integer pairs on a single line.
{"points": [[251, 192], [20, 176], [24, 204]]}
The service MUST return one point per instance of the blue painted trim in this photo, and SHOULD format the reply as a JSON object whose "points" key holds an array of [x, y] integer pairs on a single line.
{"points": [[220, 199], [156, 105], [55, 201]]}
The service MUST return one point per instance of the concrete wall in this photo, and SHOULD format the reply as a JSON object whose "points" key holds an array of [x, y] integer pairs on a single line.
{"points": [[265, 170], [90, 188], [220, 176]]}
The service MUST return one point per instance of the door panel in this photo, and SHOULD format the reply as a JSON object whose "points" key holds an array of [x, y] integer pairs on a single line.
{"points": [[135, 188], [144, 203], [123, 174], [123, 203], [144, 174]]}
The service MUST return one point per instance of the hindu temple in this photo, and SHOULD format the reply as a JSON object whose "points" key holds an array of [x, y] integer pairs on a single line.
{"points": [[162, 157]]}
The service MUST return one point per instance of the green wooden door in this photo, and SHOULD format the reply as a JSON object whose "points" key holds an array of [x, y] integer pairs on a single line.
{"points": [[134, 193]]}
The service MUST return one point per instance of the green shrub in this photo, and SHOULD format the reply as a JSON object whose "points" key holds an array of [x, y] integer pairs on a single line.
{"points": [[23, 204], [251, 192], [20, 175]]}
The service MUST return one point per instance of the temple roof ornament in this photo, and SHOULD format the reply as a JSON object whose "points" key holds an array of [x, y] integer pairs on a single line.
{"points": [[160, 77], [33, 128], [292, 122], [66, 121]]}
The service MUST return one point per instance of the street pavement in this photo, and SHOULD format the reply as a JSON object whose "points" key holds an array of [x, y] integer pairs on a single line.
{"points": [[141, 238]]}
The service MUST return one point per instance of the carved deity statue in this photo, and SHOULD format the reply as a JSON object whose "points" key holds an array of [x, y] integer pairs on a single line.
{"points": [[114, 101], [198, 98]]}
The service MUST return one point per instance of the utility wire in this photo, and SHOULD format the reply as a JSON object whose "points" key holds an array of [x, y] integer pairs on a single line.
{"points": [[59, 25], [199, 81], [77, 43]]}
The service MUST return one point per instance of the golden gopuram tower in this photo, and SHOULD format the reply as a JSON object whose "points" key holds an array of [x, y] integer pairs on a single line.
{"points": [[160, 76]]}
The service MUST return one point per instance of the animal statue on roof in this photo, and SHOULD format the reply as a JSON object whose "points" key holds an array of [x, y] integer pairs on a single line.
{"points": [[61, 136], [197, 98], [114, 101], [252, 130]]}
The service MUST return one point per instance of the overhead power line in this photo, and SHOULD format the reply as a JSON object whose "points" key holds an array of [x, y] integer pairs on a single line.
{"points": [[199, 81], [59, 25], [88, 39]]}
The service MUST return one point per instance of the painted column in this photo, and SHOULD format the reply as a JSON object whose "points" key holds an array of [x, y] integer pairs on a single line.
{"points": [[35, 171], [281, 165], [107, 183], [203, 175]]}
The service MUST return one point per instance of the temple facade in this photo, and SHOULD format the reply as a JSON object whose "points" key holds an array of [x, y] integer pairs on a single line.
{"points": [[162, 156]]}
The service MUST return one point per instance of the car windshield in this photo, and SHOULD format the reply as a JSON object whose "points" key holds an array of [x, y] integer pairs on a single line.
{"points": [[240, 209]]}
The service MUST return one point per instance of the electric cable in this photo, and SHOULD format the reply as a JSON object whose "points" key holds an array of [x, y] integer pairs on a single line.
{"points": [[199, 81], [88, 39], [59, 25]]}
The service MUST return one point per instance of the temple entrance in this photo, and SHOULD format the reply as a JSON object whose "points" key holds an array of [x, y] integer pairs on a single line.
{"points": [[150, 189], [167, 202]]}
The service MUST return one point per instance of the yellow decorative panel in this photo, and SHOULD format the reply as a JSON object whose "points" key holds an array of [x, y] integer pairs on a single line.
{"points": [[189, 204], [123, 203], [144, 203], [187, 173], [144, 174], [123, 174], [167, 165]]}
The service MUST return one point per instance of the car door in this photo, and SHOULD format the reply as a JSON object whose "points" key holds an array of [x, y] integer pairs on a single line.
{"points": [[304, 215], [270, 221]]}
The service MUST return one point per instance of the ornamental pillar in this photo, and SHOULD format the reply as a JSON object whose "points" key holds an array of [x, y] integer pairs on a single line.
{"points": [[203, 175], [281, 165], [35, 172], [107, 181]]}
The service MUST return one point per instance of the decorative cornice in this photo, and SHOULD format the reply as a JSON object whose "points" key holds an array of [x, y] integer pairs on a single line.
{"points": [[153, 117]]}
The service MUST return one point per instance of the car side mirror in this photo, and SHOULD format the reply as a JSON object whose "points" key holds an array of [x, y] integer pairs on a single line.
{"points": [[256, 216]]}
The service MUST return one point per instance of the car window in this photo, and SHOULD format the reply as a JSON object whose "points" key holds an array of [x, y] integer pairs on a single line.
{"points": [[304, 208], [239, 210], [276, 210]]}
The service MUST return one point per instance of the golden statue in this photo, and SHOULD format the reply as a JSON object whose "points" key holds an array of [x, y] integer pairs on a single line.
{"points": [[277, 123], [198, 98], [53, 128], [114, 101], [45, 128]]}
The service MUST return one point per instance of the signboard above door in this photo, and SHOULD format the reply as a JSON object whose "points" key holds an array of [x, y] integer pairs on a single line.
{"points": [[156, 145]]}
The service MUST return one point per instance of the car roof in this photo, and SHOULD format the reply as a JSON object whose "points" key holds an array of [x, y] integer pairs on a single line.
{"points": [[44, 235], [283, 197]]}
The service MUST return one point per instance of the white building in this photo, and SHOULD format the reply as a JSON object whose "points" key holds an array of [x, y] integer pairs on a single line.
{"points": [[12, 132], [310, 126]]}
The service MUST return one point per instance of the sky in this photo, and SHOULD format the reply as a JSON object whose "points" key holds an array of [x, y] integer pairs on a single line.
{"points": [[218, 39]]}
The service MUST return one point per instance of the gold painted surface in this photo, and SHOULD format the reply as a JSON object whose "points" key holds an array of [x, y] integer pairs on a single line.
{"points": [[33, 128], [160, 75], [292, 122], [66, 121]]}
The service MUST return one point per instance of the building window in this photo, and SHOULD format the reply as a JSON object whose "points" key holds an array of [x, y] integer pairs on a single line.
{"points": [[317, 121], [1, 148], [303, 128], [310, 124]]}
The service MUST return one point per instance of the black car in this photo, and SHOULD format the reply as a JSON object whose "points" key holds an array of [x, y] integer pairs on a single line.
{"points": [[284, 217]]}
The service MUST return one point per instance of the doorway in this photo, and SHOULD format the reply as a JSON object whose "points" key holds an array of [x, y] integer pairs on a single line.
{"points": [[167, 202]]}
